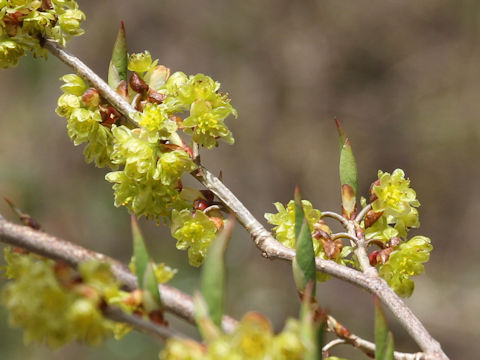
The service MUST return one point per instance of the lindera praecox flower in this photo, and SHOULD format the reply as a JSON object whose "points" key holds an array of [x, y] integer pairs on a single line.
{"points": [[149, 161], [394, 212], [55, 304], [25, 23]]}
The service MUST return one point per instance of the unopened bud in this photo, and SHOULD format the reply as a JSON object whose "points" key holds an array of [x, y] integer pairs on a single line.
{"points": [[218, 221], [372, 217], [122, 89], [91, 97], [373, 196], [155, 97], [137, 84], [109, 115]]}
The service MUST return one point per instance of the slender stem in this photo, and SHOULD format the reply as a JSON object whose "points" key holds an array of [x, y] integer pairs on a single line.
{"points": [[269, 247], [174, 300], [332, 344], [52, 247], [363, 212], [140, 324], [93, 79], [336, 216], [344, 236], [363, 345]]}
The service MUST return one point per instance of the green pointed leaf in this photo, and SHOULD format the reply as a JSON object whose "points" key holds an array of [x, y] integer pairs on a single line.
{"points": [[384, 346], [25, 218], [303, 265], [213, 274], [117, 70], [348, 173], [208, 330], [320, 337], [151, 294], [311, 331], [140, 253]]}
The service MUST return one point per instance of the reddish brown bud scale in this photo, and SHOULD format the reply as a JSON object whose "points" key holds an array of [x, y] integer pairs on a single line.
{"points": [[122, 89], [209, 195], [155, 97], [20, 251], [373, 257], [135, 299], [332, 248], [200, 204], [373, 196], [189, 150], [394, 242], [178, 120], [349, 207], [372, 217], [320, 234], [158, 317], [47, 5], [109, 115], [218, 221], [137, 84], [91, 97]]}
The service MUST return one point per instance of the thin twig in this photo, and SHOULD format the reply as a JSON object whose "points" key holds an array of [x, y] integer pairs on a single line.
{"points": [[263, 239], [141, 324], [336, 216], [363, 345], [344, 236], [332, 344], [174, 300], [93, 79], [52, 247], [271, 248], [363, 212]]}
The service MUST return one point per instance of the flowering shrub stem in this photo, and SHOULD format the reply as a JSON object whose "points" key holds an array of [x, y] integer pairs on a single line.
{"points": [[52, 247], [174, 300], [267, 244]]}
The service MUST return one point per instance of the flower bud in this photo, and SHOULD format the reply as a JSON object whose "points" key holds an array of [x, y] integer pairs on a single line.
{"points": [[137, 83], [91, 97]]}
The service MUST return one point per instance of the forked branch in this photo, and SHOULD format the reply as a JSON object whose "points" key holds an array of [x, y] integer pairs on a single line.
{"points": [[268, 245]]}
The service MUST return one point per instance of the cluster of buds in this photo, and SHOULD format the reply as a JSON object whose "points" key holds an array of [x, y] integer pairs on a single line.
{"points": [[56, 304], [153, 158], [24, 25]]}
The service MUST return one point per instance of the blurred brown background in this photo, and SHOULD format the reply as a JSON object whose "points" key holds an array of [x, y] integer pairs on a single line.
{"points": [[402, 76]]}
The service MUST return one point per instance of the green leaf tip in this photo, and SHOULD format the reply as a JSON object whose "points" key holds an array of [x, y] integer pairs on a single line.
{"points": [[341, 133], [151, 294], [140, 253], [384, 345], [117, 71], [303, 265], [348, 173], [214, 274], [25, 218]]}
